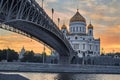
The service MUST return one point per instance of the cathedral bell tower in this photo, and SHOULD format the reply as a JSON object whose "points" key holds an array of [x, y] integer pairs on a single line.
{"points": [[64, 29], [90, 30]]}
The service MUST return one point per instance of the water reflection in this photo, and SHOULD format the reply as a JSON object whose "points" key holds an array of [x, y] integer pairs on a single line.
{"points": [[66, 76], [40, 76]]}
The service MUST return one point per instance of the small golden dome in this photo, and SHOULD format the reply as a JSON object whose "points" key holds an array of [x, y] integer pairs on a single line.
{"points": [[64, 26], [90, 26], [77, 17]]}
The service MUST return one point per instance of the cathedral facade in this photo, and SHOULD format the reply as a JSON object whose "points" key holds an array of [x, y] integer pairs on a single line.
{"points": [[82, 40]]}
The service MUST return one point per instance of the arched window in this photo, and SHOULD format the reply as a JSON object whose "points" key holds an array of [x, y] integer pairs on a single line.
{"points": [[73, 29], [90, 39], [70, 29], [83, 46], [80, 28], [83, 29], [76, 29], [76, 37], [90, 32], [76, 46], [90, 47], [96, 48]]}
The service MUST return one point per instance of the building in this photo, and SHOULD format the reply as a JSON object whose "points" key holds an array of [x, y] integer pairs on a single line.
{"points": [[22, 52], [82, 40], [53, 58], [102, 60]]}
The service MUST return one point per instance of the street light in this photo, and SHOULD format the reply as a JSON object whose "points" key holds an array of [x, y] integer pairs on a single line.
{"points": [[52, 13], [44, 54], [102, 51], [42, 3], [58, 21], [7, 56]]}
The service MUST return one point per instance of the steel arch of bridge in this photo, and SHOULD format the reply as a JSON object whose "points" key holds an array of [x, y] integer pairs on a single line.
{"points": [[12, 29], [28, 17]]}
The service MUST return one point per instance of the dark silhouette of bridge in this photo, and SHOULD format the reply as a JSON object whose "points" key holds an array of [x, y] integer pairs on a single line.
{"points": [[26, 17]]}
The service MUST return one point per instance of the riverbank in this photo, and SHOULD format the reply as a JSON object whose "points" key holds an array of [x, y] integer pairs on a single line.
{"points": [[58, 68]]}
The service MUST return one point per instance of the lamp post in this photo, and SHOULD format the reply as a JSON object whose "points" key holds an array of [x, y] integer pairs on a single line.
{"points": [[83, 59], [44, 54], [102, 51], [58, 21], [42, 3], [7, 56], [52, 13]]}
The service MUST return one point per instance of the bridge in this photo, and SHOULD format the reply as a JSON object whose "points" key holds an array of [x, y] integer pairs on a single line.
{"points": [[27, 18]]}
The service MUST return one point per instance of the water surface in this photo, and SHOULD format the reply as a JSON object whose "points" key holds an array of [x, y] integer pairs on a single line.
{"points": [[62, 76]]}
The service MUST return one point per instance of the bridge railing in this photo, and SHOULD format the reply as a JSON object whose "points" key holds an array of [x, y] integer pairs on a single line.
{"points": [[52, 25], [42, 18]]}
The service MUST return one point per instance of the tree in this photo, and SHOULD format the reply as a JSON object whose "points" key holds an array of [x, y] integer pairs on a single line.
{"points": [[28, 56], [8, 54], [102, 54], [0, 55], [12, 55], [3, 54], [37, 59]]}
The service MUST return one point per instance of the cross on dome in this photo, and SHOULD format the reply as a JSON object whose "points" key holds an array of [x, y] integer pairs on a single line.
{"points": [[78, 17]]}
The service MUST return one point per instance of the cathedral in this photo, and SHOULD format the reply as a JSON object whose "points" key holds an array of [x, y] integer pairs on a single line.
{"points": [[82, 40]]}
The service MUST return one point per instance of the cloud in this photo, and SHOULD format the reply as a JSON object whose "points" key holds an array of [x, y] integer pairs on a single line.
{"points": [[110, 37], [16, 42], [51, 0], [104, 15]]}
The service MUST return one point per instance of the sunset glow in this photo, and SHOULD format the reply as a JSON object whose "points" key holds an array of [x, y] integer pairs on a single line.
{"points": [[104, 15]]}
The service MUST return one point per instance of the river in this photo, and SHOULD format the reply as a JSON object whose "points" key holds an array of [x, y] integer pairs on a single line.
{"points": [[56, 76]]}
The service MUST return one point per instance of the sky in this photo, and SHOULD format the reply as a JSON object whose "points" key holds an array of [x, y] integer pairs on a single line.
{"points": [[103, 14]]}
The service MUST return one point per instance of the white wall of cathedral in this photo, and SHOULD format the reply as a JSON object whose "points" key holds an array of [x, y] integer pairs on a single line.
{"points": [[90, 32], [83, 44], [21, 54], [77, 27], [97, 48]]}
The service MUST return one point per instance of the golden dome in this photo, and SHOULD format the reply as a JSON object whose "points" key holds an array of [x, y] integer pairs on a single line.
{"points": [[64, 26], [90, 26], [77, 17]]}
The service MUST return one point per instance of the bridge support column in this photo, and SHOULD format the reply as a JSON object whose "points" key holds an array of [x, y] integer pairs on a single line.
{"points": [[64, 60]]}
